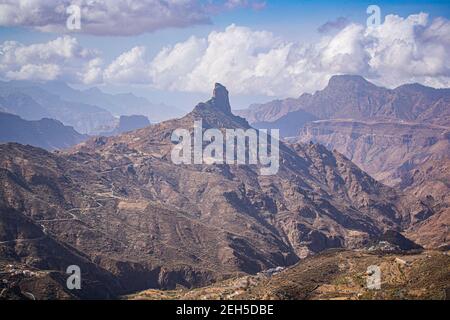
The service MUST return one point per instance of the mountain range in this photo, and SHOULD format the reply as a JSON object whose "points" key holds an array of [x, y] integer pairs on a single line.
{"points": [[134, 220], [52, 135], [400, 136], [89, 111], [351, 96]]}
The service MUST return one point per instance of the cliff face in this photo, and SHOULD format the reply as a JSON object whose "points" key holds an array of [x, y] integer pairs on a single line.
{"points": [[125, 207], [385, 149], [408, 156]]}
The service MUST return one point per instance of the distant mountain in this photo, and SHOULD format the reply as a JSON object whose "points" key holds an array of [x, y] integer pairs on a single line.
{"points": [[128, 123], [353, 97], [45, 133], [89, 111], [31, 102], [22, 105], [124, 205], [117, 104]]}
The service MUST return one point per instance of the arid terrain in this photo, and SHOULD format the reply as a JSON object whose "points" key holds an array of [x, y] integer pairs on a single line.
{"points": [[224, 149], [401, 137], [119, 208], [333, 275]]}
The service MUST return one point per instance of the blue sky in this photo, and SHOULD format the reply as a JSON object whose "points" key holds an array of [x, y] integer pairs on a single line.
{"points": [[291, 21]]}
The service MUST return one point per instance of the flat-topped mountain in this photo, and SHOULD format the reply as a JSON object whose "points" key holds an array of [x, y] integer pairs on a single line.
{"points": [[123, 205], [128, 123]]}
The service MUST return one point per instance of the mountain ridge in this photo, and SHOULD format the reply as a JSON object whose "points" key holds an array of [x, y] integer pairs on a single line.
{"points": [[353, 95]]}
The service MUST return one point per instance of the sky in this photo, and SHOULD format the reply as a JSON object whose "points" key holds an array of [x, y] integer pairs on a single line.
{"points": [[173, 51]]}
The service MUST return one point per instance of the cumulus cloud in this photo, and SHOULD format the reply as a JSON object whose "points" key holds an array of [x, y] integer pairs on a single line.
{"points": [[412, 49], [238, 53], [62, 58], [129, 67], [172, 64], [107, 17]]}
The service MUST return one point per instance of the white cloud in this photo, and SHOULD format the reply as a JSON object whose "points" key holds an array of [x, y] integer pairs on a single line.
{"points": [[62, 58], [129, 67], [170, 67], [230, 56], [35, 72], [115, 17], [411, 49]]}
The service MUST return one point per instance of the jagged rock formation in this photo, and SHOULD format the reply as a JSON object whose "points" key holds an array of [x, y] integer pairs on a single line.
{"points": [[125, 206], [220, 98]]}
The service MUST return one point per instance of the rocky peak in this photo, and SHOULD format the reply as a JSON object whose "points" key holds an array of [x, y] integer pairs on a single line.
{"points": [[216, 112], [220, 98]]}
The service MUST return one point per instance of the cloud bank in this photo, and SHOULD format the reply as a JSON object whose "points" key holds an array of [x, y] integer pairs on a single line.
{"points": [[113, 17], [62, 58], [411, 49]]}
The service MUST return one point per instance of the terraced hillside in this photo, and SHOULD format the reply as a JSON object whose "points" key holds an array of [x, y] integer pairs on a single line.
{"points": [[334, 274]]}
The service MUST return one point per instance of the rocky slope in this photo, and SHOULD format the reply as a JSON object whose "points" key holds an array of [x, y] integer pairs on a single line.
{"points": [[121, 203], [408, 156], [401, 137], [431, 182], [384, 149]]}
